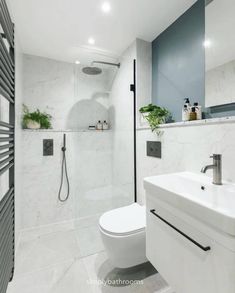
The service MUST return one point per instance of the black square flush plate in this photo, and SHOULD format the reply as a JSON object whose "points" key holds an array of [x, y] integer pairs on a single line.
{"points": [[154, 149]]}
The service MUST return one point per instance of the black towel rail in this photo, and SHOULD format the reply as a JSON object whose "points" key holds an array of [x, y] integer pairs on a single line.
{"points": [[204, 248], [7, 200]]}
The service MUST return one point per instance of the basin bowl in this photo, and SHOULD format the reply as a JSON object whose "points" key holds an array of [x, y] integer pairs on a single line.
{"points": [[196, 195]]}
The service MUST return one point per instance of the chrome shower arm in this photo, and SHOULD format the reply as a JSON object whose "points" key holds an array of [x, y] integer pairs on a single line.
{"points": [[106, 63]]}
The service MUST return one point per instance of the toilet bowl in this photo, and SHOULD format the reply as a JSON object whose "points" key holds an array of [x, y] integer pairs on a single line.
{"points": [[123, 234]]}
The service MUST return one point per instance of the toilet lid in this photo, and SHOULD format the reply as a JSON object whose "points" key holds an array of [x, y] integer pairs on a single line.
{"points": [[125, 220]]}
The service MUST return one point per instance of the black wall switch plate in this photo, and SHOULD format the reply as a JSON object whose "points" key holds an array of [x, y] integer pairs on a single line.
{"points": [[154, 149], [48, 147]]}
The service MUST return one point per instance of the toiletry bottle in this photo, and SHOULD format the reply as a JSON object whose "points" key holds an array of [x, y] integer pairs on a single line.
{"points": [[193, 114], [105, 125], [186, 110], [185, 113], [198, 111], [99, 125], [187, 103]]}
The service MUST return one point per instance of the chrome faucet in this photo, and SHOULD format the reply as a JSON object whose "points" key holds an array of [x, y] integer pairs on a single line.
{"points": [[217, 169]]}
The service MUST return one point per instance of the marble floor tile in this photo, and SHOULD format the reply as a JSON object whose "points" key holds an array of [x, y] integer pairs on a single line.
{"points": [[73, 279], [156, 283], [33, 233], [103, 277], [46, 250], [68, 277], [85, 222], [89, 240], [55, 263]]}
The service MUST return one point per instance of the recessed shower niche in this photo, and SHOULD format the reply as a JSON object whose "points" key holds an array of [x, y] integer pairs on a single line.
{"points": [[88, 112]]}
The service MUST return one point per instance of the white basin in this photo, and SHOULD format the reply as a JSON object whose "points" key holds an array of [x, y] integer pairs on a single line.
{"points": [[196, 195]]}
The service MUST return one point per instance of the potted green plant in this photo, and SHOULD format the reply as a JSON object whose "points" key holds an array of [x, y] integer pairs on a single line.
{"points": [[36, 119], [154, 115]]}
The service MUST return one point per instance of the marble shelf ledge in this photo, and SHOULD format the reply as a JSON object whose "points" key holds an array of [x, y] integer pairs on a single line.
{"points": [[209, 121], [65, 130]]}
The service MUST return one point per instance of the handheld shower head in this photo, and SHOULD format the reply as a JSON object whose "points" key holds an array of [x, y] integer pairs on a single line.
{"points": [[64, 143], [64, 171]]}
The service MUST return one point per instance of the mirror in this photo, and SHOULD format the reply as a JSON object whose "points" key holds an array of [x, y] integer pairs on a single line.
{"points": [[220, 52]]}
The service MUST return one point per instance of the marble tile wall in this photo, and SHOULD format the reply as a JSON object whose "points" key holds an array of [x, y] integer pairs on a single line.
{"points": [[74, 99], [89, 160], [143, 75], [100, 164], [220, 87], [186, 149], [122, 121], [122, 110]]}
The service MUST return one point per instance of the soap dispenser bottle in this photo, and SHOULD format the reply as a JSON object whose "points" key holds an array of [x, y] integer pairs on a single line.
{"points": [[99, 126], [193, 114], [186, 110], [187, 103], [105, 125], [185, 113]]}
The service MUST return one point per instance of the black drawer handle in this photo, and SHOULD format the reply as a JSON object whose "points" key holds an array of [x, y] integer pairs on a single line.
{"points": [[182, 233]]}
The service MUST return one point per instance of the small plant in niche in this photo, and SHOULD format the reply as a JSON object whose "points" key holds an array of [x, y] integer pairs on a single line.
{"points": [[155, 115], [36, 119]]}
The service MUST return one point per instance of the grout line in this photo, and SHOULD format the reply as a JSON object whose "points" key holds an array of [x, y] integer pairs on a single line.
{"points": [[71, 222], [45, 268], [59, 263], [78, 257]]}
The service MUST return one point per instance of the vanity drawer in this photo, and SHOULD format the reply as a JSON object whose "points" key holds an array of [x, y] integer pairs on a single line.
{"points": [[189, 260]]}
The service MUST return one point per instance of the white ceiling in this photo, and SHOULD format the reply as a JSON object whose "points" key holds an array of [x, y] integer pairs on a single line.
{"points": [[220, 23], [59, 29]]}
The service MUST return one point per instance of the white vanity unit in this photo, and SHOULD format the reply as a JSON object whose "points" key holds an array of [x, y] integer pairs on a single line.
{"points": [[191, 232]]}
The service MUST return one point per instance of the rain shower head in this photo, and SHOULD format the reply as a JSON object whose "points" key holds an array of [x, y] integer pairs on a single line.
{"points": [[91, 70]]}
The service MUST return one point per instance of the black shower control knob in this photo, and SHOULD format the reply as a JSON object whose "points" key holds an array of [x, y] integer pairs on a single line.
{"points": [[48, 147]]}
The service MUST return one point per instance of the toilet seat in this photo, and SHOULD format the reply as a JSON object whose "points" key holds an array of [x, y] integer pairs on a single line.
{"points": [[124, 221]]}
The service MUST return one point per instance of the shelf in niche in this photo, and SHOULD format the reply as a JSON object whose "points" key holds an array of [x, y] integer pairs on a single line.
{"points": [[209, 121], [66, 130]]}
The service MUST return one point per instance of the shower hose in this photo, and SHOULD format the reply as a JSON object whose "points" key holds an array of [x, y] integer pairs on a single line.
{"points": [[64, 172]]}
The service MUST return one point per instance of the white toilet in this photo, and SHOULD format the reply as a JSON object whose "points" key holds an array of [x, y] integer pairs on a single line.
{"points": [[123, 234]]}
